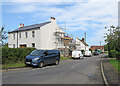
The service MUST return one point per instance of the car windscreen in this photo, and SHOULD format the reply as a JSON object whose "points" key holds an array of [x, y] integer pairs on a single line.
{"points": [[36, 53]]}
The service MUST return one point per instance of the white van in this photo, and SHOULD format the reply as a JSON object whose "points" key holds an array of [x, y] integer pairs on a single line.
{"points": [[77, 54], [88, 53]]}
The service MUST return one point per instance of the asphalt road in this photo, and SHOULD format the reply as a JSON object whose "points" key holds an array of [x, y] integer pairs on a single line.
{"points": [[83, 71]]}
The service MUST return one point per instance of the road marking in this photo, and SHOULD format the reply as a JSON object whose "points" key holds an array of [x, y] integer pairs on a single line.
{"points": [[5, 77], [75, 66]]}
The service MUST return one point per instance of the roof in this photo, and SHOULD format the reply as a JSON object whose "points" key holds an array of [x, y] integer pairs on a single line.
{"points": [[97, 47], [34, 26], [69, 38], [84, 43]]}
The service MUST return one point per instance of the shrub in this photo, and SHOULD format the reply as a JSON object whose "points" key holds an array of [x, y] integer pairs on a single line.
{"points": [[11, 55], [113, 53]]}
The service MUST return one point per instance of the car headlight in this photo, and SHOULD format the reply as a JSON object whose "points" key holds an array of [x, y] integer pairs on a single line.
{"points": [[35, 59]]}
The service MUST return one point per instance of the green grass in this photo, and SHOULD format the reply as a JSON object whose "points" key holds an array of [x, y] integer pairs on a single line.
{"points": [[12, 65], [64, 58], [115, 63], [22, 64]]}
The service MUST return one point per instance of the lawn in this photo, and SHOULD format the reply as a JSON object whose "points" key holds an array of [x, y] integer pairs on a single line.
{"points": [[11, 65], [115, 63]]}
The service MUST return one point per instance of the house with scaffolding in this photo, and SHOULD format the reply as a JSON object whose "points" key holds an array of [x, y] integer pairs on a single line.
{"points": [[47, 35]]}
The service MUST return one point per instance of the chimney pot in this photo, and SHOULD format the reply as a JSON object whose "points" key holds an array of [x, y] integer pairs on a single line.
{"points": [[23, 24], [20, 25], [83, 39], [52, 18]]}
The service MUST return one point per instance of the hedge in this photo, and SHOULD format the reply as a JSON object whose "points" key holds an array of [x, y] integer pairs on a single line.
{"points": [[11, 55], [113, 53]]}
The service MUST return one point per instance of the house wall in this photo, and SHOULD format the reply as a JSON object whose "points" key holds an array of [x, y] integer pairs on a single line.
{"points": [[77, 41], [82, 46], [23, 40], [44, 37]]}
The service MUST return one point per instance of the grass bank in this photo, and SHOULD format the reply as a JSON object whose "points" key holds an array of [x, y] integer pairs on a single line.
{"points": [[22, 64], [115, 63], [13, 65]]}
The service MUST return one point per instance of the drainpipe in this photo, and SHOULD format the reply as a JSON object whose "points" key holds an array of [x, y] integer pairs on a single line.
{"points": [[17, 39]]}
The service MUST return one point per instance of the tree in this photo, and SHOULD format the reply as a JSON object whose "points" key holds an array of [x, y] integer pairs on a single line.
{"points": [[112, 39], [3, 36]]}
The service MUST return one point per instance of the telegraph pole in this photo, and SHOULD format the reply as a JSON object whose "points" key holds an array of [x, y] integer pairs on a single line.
{"points": [[85, 41], [100, 43]]}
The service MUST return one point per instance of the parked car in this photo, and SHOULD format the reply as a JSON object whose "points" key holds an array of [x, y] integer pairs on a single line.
{"points": [[43, 57], [88, 53], [96, 53], [77, 55]]}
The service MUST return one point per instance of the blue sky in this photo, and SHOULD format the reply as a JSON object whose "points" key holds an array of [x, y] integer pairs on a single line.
{"points": [[80, 16]]}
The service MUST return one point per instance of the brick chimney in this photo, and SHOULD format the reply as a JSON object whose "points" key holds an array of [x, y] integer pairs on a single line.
{"points": [[20, 25], [52, 19], [23, 25], [83, 39]]}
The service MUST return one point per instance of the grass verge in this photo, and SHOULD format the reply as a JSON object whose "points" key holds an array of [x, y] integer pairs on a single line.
{"points": [[65, 58], [22, 64], [12, 65], [115, 63]]}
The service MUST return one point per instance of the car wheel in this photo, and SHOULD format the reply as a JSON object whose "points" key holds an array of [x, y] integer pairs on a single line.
{"points": [[41, 64], [57, 62]]}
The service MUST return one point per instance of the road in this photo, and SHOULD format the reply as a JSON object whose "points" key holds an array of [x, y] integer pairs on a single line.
{"points": [[83, 71]]}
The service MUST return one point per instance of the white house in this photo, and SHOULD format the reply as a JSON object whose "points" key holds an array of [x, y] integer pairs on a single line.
{"points": [[45, 35], [81, 44]]}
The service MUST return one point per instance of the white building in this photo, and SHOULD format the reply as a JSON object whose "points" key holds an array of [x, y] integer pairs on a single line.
{"points": [[81, 44], [46, 35]]}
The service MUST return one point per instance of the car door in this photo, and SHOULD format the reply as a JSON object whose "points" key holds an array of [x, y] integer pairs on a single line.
{"points": [[52, 56], [46, 58]]}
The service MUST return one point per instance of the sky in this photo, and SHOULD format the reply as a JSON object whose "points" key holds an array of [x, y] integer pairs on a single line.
{"points": [[90, 16]]}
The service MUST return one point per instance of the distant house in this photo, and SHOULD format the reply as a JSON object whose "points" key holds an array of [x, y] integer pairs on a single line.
{"points": [[81, 44], [97, 47], [47, 35]]}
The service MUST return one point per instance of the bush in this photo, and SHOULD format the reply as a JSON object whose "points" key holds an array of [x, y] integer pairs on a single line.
{"points": [[113, 53], [11, 55]]}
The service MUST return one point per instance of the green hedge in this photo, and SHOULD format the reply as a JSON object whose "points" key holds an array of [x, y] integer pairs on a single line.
{"points": [[11, 55], [113, 53]]}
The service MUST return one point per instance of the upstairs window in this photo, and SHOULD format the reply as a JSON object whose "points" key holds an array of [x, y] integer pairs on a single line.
{"points": [[14, 36], [26, 34], [33, 33], [19, 35]]}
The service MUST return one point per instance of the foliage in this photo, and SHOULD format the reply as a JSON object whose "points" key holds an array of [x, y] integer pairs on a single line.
{"points": [[3, 36], [96, 50], [90, 50], [113, 53], [112, 40], [11, 55], [82, 51]]}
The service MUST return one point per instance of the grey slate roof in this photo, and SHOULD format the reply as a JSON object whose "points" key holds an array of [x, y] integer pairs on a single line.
{"points": [[29, 27]]}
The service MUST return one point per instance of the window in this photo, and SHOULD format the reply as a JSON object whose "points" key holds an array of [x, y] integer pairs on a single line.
{"points": [[33, 33], [14, 36], [19, 35], [33, 44], [26, 34], [13, 45], [46, 53]]}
